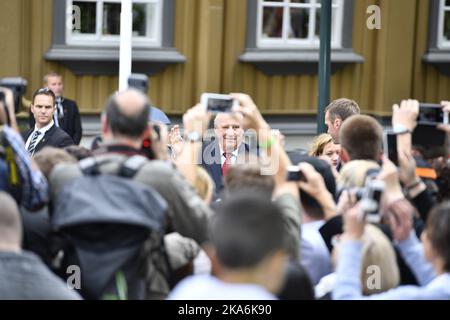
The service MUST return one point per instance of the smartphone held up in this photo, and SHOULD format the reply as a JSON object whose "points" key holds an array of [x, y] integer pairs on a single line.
{"points": [[218, 103]]}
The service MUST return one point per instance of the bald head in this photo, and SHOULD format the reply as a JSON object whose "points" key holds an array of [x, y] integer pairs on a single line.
{"points": [[131, 102], [127, 114], [10, 223]]}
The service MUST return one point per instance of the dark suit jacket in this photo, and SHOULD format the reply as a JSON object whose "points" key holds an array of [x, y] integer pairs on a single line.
{"points": [[211, 161], [71, 123], [55, 137]]}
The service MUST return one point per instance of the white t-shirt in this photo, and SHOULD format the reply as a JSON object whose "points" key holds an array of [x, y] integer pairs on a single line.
{"points": [[207, 287]]}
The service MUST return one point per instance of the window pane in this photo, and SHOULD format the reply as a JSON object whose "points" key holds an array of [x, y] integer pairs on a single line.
{"points": [[447, 25], [111, 18], [333, 16], [144, 16], [88, 12], [299, 23], [272, 22], [447, 3], [301, 1], [334, 2]]}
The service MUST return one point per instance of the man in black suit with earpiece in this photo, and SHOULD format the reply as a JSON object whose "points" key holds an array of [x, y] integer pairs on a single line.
{"points": [[45, 132], [67, 115]]}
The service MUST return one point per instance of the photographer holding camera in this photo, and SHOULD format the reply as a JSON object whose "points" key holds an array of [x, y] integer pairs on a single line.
{"points": [[429, 260], [20, 175]]}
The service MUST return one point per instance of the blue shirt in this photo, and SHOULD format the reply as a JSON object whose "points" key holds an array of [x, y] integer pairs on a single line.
{"points": [[348, 285], [315, 257]]}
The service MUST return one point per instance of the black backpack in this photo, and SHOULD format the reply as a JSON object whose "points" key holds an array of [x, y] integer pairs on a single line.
{"points": [[111, 226]]}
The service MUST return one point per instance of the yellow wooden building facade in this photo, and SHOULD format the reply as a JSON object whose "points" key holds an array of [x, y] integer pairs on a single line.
{"points": [[212, 37]]}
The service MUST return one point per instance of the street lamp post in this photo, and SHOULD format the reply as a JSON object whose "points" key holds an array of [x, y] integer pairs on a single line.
{"points": [[324, 64], [126, 30]]}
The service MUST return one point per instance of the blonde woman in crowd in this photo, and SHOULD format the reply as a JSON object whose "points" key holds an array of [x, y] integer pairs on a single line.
{"points": [[324, 148]]}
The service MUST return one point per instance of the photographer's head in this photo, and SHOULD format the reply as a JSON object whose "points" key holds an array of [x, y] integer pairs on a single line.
{"points": [[361, 139], [337, 112], [43, 106], [54, 82], [10, 224], [125, 118], [247, 235], [229, 131]]}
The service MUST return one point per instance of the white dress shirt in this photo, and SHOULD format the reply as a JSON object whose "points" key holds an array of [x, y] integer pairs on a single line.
{"points": [[207, 287], [41, 136], [234, 156]]}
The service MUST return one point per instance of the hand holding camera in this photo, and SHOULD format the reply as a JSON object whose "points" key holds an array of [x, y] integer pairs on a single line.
{"points": [[400, 215], [405, 115], [389, 175], [354, 223], [196, 120], [446, 109]]}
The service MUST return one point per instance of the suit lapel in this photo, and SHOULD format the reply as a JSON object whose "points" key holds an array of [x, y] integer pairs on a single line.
{"points": [[211, 157], [45, 139]]}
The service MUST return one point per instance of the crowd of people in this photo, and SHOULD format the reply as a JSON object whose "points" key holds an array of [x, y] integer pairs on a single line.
{"points": [[181, 213]]}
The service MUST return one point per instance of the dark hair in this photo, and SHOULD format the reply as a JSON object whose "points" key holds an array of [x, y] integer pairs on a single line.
{"points": [[45, 92], [310, 205], [443, 184], [343, 108], [361, 136], [246, 229], [297, 285], [438, 231], [130, 126]]}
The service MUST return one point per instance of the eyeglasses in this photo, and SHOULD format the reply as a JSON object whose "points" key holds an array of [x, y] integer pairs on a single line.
{"points": [[44, 90]]}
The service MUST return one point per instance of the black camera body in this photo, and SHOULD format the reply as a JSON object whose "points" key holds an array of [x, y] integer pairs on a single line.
{"points": [[295, 174], [139, 81], [19, 87]]}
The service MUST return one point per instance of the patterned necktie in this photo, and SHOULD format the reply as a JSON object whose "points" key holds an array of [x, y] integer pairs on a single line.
{"points": [[59, 113], [227, 164], [32, 146]]}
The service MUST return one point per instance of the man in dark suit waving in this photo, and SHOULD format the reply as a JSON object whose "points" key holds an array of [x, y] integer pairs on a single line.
{"points": [[45, 132], [227, 149], [67, 115]]}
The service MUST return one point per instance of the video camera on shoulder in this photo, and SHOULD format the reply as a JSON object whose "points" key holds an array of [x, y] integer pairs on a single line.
{"points": [[18, 86]]}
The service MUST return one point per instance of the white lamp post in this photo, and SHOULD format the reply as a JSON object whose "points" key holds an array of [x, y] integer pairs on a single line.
{"points": [[126, 33]]}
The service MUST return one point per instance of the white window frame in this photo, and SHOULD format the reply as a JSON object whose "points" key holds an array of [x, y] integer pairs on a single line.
{"points": [[310, 43], [100, 40], [442, 43]]}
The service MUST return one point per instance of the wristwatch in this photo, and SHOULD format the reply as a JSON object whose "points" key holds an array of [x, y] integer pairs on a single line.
{"points": [[401, 129], [193, 137]]}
